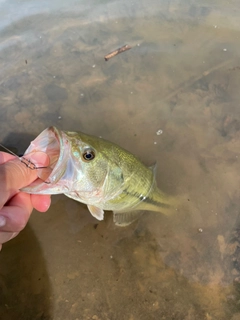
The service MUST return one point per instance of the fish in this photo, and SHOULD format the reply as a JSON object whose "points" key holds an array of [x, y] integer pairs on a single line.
{"points": [[98, 173]]}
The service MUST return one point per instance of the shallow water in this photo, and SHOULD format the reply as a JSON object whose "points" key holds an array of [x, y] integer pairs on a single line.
{"points": [[182, 77]]}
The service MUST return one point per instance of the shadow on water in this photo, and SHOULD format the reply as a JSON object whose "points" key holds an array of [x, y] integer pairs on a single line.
{"points": [[25, 291]]}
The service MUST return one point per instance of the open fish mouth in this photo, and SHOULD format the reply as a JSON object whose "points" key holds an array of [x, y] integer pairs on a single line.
{"points": [[55, 144]]}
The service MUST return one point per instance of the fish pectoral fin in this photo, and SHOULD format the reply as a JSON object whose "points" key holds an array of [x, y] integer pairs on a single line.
{"points": [[123, 219], [96, 212]]}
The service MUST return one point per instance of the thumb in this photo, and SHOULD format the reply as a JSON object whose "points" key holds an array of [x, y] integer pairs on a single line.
{"points": [[15, 175]]}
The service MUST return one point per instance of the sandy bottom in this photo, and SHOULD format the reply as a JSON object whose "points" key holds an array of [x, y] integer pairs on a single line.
{"points": [[182, 77]]}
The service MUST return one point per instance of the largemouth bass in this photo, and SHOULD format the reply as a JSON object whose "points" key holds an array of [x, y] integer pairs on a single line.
{"points": [[98, 173]]}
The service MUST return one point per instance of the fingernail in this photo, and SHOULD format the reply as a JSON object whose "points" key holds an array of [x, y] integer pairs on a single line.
{"points": [[2, 221]]}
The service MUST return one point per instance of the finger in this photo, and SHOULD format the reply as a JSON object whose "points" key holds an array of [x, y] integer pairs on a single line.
{"points": [[16, 213], [6, 236], [41, 202], [4, 157], [15, 175]]}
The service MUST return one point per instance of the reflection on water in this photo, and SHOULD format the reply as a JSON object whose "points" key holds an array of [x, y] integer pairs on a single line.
{"points": [[181, 76]]}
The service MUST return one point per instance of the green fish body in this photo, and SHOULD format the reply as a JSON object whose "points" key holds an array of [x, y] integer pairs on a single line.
{"points": [[98, 173]]}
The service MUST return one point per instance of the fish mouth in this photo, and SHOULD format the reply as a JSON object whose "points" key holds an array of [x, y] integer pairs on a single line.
{"points": [[55, 144]]}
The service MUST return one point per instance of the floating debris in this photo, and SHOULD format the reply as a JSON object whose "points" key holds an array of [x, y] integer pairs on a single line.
{"points": [[116, 52], [159, 132], [200, 230], [224, 49]]}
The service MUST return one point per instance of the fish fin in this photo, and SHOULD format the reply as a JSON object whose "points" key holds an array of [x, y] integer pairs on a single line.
{"points": [[96, 212], [123, 219], [154, 169]]}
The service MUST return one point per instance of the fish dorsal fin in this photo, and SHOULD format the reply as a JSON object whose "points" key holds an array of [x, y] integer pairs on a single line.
{"points": [[154, 169], [96, 212], [123, 219]]}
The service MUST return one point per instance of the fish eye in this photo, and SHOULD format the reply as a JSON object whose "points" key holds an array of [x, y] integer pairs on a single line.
{"points": [[88, 155]]}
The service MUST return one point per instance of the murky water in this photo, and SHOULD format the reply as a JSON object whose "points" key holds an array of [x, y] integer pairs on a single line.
{"points": [[182, 77]]}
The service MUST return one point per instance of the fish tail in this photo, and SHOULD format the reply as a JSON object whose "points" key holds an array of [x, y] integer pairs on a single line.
{"points": [[158, 201]]}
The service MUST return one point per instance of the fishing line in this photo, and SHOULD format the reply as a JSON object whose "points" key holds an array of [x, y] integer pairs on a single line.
{"points": [[28, 163]]}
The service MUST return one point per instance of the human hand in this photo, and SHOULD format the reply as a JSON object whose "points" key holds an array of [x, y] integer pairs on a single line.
{"points": [[16, 206]]}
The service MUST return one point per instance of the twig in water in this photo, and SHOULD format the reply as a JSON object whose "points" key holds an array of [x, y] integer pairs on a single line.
{"points": [[116, 52]]}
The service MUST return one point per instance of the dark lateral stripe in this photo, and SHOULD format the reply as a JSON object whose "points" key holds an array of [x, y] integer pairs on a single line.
{"points": [[159, 204], [146, 199]]}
